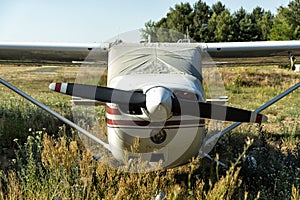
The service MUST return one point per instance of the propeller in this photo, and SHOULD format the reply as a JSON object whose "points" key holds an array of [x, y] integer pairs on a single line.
{"points": [[179, 106]]}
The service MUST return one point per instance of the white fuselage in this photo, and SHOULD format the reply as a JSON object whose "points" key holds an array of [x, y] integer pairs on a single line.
{"points": [[173, 141], [155, 134]]}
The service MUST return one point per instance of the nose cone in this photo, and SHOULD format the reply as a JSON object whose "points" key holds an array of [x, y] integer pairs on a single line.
{"points": [[159, 103]]}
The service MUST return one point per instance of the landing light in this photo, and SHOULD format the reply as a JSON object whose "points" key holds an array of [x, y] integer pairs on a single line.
{"points": [[158, 136]]}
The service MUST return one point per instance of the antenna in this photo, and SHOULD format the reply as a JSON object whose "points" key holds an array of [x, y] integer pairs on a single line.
{"points": [[186, 36]]}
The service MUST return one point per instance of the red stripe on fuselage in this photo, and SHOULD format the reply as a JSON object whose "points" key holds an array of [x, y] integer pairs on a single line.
{"points": [[135, 123], [112, 111], [147, 123]]}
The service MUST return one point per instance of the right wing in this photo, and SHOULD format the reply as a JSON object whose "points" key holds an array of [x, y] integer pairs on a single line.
{"points": [[51, 52]]}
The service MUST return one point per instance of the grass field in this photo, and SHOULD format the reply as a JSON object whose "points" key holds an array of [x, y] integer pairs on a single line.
{"points": [[43, 159]]}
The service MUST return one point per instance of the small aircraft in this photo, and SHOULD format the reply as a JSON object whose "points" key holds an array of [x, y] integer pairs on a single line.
{"points": [[155, 94]]}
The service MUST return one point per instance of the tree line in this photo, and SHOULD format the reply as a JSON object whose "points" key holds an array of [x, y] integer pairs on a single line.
{"points": [[203, 23]]}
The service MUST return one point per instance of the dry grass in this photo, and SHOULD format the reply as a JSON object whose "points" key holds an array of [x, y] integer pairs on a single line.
{"points": [[56, 166]]}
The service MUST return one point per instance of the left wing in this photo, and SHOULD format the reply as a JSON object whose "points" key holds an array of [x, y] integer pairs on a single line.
{"points": [[267, 51], [251, 49]]}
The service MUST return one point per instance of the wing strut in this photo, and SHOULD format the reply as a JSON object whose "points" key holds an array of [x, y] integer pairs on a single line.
{"points": [[209, 143], [52, 112]]}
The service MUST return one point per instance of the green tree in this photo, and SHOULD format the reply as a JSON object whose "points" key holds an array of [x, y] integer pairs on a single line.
{"points": [[220, 27], [282, 29], [215, 24], [293, 15], [265, 25], [201, 14], [262, 23], [180, 18], [256, 16], [172, 27], [243, 27], [218, 8], [149, 32], [224, 31], [287, 22]]}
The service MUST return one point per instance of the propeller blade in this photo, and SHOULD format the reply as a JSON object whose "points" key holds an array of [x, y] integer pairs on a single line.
{"points": [[103, 94], [137, 100], [214, 111]]}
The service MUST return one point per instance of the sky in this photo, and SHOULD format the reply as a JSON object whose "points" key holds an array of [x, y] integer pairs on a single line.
{"points": [[92, 20]]}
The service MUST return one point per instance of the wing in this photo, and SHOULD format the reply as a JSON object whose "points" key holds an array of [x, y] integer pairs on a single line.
{"points": [[252, 49], [268, 51], [61, 52]]}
